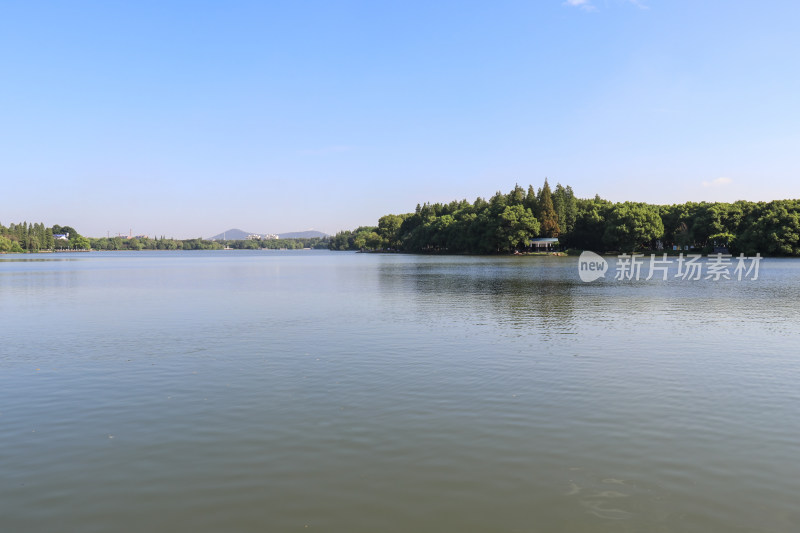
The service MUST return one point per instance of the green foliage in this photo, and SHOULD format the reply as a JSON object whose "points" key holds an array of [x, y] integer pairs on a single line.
{"points": [[389, 229], [162, 243], [547, 212], [771, 229], [360, 239], [589, 226], [506, 222], [26, 237], [532, 201], [502, 224], [517, 225], [566, 207], [79, 242], [631, 226]]}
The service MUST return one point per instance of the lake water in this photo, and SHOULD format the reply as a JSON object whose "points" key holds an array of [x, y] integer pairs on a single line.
{"points": [[340, 392]]}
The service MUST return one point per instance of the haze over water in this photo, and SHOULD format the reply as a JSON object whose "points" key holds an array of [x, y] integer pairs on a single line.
{"points": [[293, 391]]}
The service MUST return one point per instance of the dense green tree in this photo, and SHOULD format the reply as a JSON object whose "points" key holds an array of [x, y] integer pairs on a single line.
{"points": [[548, 218], [566, 208], [516, 196], [631, 226], [64, 229], [373, 241], [80, 243], [772, 229], [532, 201], [590, 225], [49, 243], [389, 228], [517, 226], [676, 219], [364, 237]]}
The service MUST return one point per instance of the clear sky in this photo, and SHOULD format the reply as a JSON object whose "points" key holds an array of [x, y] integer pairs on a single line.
{"points": [[188, 118]]}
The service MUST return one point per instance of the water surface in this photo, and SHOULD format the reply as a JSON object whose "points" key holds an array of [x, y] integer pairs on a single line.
{"points": [[288, 391]]}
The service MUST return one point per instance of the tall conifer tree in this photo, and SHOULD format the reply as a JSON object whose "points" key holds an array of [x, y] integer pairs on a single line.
{"points": [[547, 213]]}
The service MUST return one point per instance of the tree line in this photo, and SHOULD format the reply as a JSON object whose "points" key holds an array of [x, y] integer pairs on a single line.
{"points": [[162, 243], [146, 243], [34, 237], [507, 222], [27, 237]]}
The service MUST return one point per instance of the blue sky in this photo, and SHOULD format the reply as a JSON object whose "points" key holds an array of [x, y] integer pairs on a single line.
{"points": [[189, 118]]}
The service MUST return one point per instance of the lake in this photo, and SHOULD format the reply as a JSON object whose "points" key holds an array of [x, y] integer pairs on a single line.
{"points": [[341, 392]]}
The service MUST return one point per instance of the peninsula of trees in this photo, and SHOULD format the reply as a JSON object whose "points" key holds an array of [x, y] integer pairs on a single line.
{"points": [[507, 222], [25, 237]]}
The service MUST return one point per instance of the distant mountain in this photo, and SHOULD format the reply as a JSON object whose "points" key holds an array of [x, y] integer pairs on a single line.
{"points": [[310, 234], [231, 235], [239, 235]]}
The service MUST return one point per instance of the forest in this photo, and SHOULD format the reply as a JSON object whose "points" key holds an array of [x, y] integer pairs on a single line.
{"points": [[506, 223], [503, 224]]}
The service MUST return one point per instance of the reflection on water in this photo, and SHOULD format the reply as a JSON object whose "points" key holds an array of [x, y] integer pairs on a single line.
{"points": [[212, 391], [511, 292]]}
